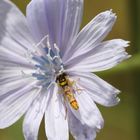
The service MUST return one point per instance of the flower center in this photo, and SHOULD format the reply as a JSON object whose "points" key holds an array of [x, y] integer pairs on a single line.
{"points": [[47, 62]]}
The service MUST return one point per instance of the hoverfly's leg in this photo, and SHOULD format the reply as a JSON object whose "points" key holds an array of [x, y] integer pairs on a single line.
{"points": [[73, 84], [78, 90]]}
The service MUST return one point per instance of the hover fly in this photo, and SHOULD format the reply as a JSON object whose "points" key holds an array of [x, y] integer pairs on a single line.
{"points": [[66, 85]]}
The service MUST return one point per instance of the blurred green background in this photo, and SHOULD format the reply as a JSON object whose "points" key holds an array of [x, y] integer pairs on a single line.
{"points": [[123, 121]]}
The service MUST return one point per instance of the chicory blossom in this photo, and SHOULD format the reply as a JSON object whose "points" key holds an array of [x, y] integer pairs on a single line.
{"points": [[35, 50]]}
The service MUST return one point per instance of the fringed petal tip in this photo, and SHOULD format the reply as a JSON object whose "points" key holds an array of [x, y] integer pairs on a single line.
{"points": [[116, 91], [109, 15], [112, 14], [114, 102], [127, 44], [121, 51], [99, 126]]}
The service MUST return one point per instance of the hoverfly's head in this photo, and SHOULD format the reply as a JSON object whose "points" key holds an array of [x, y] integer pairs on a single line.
{"points": [[61, 78]]}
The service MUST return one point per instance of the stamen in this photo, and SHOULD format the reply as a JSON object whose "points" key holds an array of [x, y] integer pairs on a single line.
{"points": [[39, 60], [48, 64], [47, 47], [39, 76], [57, 50], [48, 41], [57, 56]]}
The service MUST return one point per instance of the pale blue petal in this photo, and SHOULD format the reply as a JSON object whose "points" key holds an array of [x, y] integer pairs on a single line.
{"points": [[14, 103], [35, 114], [56, 124], [79, 131], [60, 19], [102, 57], [15, 37], [14, 28], [91, 35]]}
